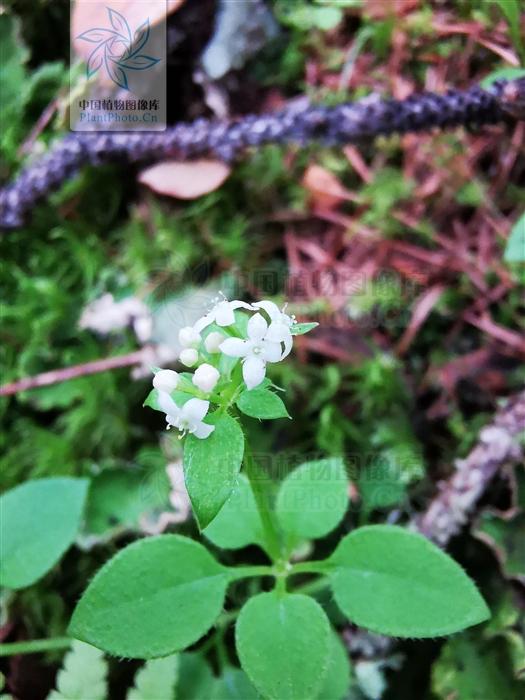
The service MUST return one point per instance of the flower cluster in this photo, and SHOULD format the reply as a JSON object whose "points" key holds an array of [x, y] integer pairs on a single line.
{"points": [[213, 346]]}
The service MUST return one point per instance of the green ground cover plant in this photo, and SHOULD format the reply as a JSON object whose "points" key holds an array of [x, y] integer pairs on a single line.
{"points": [[275, 549]]}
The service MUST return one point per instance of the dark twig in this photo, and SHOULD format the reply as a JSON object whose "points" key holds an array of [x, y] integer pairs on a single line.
{"points": [[353, 122]]}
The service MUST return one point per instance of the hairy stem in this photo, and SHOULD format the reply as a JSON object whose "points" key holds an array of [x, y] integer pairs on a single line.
{"points": [[34, 646], [240, 572], [261, 487], [311, 567]]}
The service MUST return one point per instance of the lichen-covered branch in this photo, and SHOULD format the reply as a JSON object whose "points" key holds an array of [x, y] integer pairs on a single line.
{"points": [[353, 122], [498, 444]]}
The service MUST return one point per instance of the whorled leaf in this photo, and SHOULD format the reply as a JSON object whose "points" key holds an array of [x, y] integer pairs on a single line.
{"points": [[155, 597], [238, 523], [234, 684], [472, 668], [211, 467], [337, 678], [195, 677], [302, 328], [39, 520], [262, 403], [313, 499], [396, 582], [283, 642]]}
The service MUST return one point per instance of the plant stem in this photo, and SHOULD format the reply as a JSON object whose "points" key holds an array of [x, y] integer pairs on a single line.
{"points": [[260, 484], [311, 567], [312, 587], [33, 646], [239, 572]]}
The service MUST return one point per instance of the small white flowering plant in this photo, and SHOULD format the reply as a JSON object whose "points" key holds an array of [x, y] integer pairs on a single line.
{"points": [[228, 350], [164, 593]]}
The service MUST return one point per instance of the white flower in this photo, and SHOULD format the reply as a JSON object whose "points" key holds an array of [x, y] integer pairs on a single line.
{"points": [[187, 419], [206, 377], [189, 357], [279, 330], [166, 380], [189, 337], [213, 341], [221, 314], [256, 351]]}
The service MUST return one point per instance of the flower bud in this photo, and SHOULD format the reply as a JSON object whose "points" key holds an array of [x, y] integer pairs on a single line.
{"points": [[206, 378], [189, 357], [213, 340], [188, 337], [166, 380]]}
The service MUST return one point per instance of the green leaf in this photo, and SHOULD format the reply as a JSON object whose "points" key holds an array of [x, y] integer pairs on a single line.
{"points": [[14, 57], [302, 328], [83, 674], [396, 582], [211, 467], [262, 403], [283, 642], [511, 10], [238, 523], [116, 499], [515, 248], [156, 680], [509, 73], [308, 17], [506, 537], [472, 668], [39, 520], [155, 597], [313, 499], [337, 678], [380, 484], [234, 684], [195, 678]]}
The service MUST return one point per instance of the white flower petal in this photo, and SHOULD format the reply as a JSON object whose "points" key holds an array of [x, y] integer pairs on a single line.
{"points": [[213, 341], [277, 332], [271, 309], [236, 304], [194, 410], [189, 357], [257, 327], [206, 377], [173, 420], [224, 315], [166, 380], [204, 322], [271, 352], [167, 404], [235, 347], [253, 371], [189, 337], [203, 430]]}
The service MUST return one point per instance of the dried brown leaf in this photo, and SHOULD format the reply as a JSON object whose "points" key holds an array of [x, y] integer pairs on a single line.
{"points": [[326, 192], [185, 180]]}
